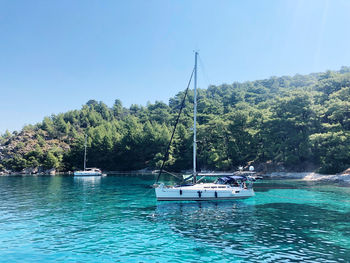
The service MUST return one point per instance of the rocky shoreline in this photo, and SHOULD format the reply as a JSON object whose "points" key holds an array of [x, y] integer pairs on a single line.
{"points": [[306, 176], [311, 176]]}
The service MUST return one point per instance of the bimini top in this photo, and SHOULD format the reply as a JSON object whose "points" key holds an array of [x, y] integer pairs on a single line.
{"points": [[231, 179]]}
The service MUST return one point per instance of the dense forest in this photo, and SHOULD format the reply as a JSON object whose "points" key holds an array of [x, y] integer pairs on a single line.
{"points": [[296, 121]]}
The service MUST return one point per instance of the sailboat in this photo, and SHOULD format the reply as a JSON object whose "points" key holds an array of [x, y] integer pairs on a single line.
{"points": [[87, 171], [228, 185]]}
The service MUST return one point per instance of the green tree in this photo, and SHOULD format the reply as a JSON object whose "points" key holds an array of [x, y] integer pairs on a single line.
{"points": [[51, 161], [286, 132], [332, 149]]}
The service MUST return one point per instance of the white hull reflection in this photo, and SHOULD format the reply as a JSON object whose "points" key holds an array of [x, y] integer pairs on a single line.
{"points": [[88, 180]]}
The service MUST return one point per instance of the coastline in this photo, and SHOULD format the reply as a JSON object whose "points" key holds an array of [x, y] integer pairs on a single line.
{"points": [[305, 176], [310, 176]]}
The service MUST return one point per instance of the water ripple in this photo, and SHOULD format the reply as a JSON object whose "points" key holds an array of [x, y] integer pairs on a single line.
{"points": [[62, 219]]}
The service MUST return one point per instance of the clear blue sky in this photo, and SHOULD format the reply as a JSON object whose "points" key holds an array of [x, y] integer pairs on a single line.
{"points": [[56, 55]]}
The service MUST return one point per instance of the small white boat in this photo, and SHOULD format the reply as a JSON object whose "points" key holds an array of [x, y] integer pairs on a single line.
{"points": [[228, 186], [88, 171]]}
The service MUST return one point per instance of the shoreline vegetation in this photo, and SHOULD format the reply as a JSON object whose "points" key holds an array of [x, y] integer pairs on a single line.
{"points": [[280, 124], [343, 177]]}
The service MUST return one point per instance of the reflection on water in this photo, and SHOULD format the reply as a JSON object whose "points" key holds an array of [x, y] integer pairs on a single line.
{"points": [[87, 180], [279, 231], [214, 223], [204, 211]]}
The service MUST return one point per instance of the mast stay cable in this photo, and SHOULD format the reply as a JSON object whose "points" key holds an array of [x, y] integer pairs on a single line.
{"points": [[176, 122]]}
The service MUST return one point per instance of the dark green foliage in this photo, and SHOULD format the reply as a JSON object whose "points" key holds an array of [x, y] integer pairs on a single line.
{"points": [[289, 120], [288, 128], [332, 150]]}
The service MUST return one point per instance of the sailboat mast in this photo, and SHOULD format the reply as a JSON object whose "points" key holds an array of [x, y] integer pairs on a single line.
{"points": [[85, 152], [195, 120]]}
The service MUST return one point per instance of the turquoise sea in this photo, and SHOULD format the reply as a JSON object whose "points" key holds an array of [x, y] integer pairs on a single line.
{"points": [[117, 219]]}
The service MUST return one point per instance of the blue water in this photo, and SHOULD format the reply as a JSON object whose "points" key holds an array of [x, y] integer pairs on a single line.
{"points": [[116, 219]]}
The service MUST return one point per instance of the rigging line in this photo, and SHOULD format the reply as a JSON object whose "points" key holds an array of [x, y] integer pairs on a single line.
{"points": [[205, 77], [204, 72], [173, 174], [177, 121]]}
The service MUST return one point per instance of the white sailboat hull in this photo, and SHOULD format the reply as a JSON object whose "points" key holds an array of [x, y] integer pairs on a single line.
{"points": [[202, 192]]}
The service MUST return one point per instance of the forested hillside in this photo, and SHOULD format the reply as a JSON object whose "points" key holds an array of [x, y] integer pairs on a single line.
{"points": [[293, 121]]}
